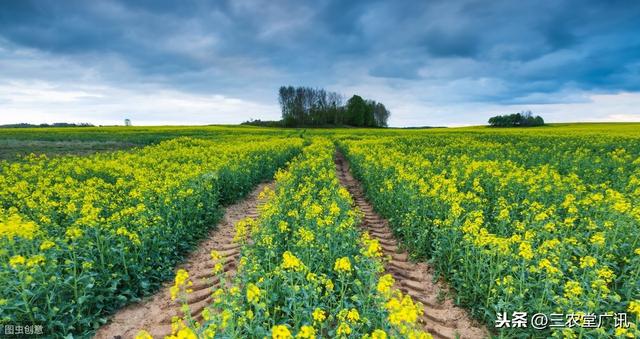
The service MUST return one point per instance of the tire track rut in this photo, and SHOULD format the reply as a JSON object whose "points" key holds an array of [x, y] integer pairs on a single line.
{"points": [[154, 314], [442, 318]]}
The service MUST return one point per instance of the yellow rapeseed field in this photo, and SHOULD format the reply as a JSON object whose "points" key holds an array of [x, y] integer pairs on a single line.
{"points": [[537, 221]]}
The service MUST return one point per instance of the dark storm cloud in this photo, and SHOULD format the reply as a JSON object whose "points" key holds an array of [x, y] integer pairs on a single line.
{"points": [[514, 50]]}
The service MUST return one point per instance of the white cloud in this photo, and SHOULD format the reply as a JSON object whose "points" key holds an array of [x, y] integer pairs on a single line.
{"points": [[624, 106], [38, 102]]}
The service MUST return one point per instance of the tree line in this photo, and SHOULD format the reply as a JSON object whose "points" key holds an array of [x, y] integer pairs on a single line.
{"points": [[522, 119], [306, 106]]}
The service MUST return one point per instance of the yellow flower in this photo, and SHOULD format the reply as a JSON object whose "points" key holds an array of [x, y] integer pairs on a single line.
{"points": [[291, 262], [634, 307], [587, 261], [306, 331], [343, 193], [253, 293], [47, 244], [226, 315], [283, 226], [315, 210], [218, 265], [343, 329], [210, 332], [546, 265], [385, 283], [181, 281], [525, 251], [572, 289], [373, 249], [606, 273], [186, 333], [16, 226], [312, 277], [131, 235], [305, 235], [622, 332], [342, 265], [280, 332], [173, 291], [215, 255], [353, 315], [16, 261], [35, 260], [143, 335], [601, 285], [318, 315], [328, 284], [243, 228], [334, 209], [73, 233], [402, 309], [598, 239], [378, 334], [206, 314]]}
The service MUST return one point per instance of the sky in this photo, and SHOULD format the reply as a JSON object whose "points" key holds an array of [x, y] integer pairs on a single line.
{"points": [[432, 63]]}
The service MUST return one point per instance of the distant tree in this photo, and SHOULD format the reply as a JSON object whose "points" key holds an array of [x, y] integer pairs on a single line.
{"points": [[334, 110], [381, 115], [286, 99], [356, 111], [369, 120], [538, 121], [522, 119], [306, 106], [263, 123]]}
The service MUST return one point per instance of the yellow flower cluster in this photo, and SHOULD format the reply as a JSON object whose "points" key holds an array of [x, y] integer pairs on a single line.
{"points": [[371, 247], [291, 262], [309, 266], [253, 293], [181, 283], [342, 265], [550, 221], [16, 226], [116, 219]]}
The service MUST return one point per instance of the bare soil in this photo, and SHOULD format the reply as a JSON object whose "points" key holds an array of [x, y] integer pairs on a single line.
{"points": [[154, 313], [442, 318]]}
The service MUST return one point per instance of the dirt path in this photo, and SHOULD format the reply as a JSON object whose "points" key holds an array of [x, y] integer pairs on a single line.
{"points": [[154, 314], [441, 317]]}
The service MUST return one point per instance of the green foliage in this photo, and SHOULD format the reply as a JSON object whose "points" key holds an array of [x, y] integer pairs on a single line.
{"points": [[305, 106], [522, 119], [528, 222], [307, 270], [83, 236]]}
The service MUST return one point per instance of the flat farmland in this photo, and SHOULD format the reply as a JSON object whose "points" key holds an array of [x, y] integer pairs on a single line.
{"points": [[373, 233]]}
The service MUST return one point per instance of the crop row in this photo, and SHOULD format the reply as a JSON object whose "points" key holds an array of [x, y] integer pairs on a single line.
{"points": [[83, 236], [515, 229], [306, 269]]}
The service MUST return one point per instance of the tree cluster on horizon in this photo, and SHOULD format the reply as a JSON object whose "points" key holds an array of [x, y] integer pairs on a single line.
{"points": [[522, 119], [306, 106]]}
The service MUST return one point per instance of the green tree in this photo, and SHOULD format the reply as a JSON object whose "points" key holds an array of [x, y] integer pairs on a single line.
{"points": [[356, 111]]}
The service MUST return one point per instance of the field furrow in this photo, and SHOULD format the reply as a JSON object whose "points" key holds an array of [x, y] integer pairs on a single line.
{"points": [[155, 314], [441, 317]]}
